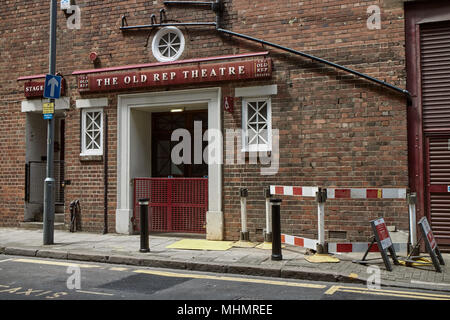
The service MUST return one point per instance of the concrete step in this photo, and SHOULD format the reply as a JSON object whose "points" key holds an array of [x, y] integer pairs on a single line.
{"points": [[40, 225], [59, 208]]}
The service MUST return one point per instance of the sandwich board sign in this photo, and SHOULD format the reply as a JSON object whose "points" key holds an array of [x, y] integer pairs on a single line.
{"points": [[382, 232], [384, 243], [431, 244]]}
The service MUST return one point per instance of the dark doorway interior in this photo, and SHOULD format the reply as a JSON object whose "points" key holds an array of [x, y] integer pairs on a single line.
{"points": [[163, 125]]}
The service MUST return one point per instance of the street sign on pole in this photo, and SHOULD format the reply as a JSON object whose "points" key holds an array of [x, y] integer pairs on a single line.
{"points": [[48, 111], [52, 87], [52, 91]]}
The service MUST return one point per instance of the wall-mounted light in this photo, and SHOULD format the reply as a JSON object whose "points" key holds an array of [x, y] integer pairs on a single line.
{"points": [[93, 56], [177, 110]]}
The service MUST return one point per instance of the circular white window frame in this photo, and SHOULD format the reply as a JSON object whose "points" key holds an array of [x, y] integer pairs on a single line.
{"points": [[159, 45]]}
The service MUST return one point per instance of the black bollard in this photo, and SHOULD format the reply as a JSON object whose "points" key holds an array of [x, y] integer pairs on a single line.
{"points": [[143, 203], [276, 229]]}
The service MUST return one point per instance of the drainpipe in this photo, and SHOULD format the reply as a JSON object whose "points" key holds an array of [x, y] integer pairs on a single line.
{"points": [[105, 172], [323, 61], [218, 7]]}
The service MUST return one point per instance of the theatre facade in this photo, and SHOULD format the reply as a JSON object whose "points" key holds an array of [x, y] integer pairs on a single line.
{"points": [[187, 104]]}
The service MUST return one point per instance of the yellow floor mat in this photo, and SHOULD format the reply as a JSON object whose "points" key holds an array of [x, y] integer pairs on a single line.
{"points": [[321, 258], [200, 244], [424, 262]]}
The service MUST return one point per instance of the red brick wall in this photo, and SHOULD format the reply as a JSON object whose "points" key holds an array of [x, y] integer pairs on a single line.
{"points": [[336, 130]]}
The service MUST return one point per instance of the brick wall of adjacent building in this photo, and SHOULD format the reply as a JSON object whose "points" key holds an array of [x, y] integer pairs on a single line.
{"points": [[336, 129]]}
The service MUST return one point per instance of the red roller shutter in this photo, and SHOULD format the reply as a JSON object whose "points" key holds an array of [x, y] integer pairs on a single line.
{"points": [[435, 69], [438, 183]]}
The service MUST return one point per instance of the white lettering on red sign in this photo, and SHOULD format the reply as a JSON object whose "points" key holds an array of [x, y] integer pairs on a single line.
{"points": [[175, 76], [429, 233], [383, 233]]}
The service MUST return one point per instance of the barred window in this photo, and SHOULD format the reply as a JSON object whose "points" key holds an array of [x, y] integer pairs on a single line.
{"points": [[92, 132], [257, 124]]}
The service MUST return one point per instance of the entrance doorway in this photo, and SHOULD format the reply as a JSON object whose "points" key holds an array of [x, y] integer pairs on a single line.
{"points": [[177, 193], [134, 150], [36, 166], [163, 125]]}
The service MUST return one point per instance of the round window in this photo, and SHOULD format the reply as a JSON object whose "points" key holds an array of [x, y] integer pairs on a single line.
{"points": [[168, 44]]}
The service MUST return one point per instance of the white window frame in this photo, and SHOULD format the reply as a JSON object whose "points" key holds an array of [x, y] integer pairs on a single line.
{"points": [[156, 43], [260, 147], [84, 150]]}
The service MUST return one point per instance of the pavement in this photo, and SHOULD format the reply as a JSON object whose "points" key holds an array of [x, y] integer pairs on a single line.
{"points": [[124, 249]]}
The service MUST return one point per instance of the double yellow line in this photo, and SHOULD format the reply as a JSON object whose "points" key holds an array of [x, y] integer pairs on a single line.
{"points": [[332, 290], [227, 278], [388, 293]]}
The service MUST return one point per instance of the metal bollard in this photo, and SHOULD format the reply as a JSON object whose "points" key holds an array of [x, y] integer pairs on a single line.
{"points": [[276, 229], [243, 192], [321, 198], [268, 232], [412, 247], [143, 203]]}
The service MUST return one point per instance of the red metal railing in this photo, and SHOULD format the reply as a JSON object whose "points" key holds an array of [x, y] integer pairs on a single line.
{"points": [[175, 205]]}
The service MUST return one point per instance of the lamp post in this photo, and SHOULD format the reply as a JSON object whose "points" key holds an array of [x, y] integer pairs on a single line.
{"points": [[49, 187]]}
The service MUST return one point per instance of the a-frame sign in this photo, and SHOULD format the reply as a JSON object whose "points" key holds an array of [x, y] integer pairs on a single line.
{"points": [[384, 242], [430, 245]]}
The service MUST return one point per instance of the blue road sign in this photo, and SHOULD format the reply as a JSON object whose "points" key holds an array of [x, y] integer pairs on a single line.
{"points": [[52, 87], [48, 116]]}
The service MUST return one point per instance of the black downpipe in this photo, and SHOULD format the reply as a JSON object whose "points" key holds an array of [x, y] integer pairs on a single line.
{"points": [[175, 24], [105, 171], [218, 7], [359, 74]]}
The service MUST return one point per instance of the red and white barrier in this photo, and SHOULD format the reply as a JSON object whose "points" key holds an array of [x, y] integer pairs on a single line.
{"points": [[303, 192], [294, 191], [361, 247], [299, 241], [366, 193], [343, 193]]}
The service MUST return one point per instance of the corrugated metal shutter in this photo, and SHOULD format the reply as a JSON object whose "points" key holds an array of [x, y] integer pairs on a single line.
{"points": [[435, 68], [438, 187]]}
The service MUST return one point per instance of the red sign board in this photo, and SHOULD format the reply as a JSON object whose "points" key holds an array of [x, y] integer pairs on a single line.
{"points": [[201, 73], [383, 233], [35, 89], [429, 234]]}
